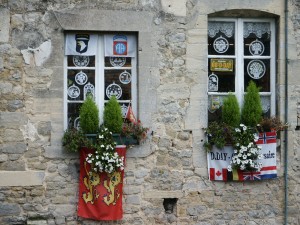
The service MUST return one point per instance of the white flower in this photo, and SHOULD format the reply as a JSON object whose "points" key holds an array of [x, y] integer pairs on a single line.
{"points": [[242, 167], [244, 128], [244, 156], [237, 130], [102, 146], [229, 168], [259, 156], [101, 136]]}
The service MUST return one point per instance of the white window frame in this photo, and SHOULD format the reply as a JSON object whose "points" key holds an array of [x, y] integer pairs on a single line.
{"points": [[239, 59], [99, 80]]}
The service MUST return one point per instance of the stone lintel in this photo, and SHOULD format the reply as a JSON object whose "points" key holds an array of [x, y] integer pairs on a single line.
{"points": [[163, 194], [21, 178]]}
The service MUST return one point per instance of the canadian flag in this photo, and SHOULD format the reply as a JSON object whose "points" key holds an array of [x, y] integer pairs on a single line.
{"points": [[130, 116]]}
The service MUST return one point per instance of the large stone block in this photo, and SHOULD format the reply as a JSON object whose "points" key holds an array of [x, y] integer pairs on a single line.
{"points": [[4, 24], [21, 178]]}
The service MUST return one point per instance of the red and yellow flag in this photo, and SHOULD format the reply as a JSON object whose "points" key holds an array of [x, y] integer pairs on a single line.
{"points": [[100, 194]]}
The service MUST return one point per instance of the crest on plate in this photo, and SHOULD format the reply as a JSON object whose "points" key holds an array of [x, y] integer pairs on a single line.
{"points": [[256, 47], [221, 44], [125, 77], [73, 91], [89, 91], [256, 69], [81, 60], [124, 109], [114, 89], [120, 45], [213, 82], [81, 78], [117, 61]]}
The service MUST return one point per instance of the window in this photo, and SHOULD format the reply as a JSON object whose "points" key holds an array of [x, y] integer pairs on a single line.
{"points": [[240, 50], [99, 66]]}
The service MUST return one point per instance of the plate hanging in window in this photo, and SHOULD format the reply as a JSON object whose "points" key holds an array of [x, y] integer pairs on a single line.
{"points": [[81, 78], [213, 82], [76, 123], [256, 47], [81, 60], [221, 44], [124, 109], [73, 91], [117, 61], [256, 69], [89, 91], [114, 89], [125, 77]]}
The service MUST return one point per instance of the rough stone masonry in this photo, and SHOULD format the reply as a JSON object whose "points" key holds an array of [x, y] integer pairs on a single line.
{"points": [[166, 178]]}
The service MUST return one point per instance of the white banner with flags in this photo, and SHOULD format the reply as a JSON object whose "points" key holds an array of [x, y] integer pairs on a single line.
{"points": [[219, 159], [120, 45], [81, 44]]}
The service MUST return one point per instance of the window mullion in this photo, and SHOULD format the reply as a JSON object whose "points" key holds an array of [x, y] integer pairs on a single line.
{"points": [[100, 83], [240, 62]]}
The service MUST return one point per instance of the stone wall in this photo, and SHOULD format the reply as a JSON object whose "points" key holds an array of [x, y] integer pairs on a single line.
{"points": [[38, 179]]}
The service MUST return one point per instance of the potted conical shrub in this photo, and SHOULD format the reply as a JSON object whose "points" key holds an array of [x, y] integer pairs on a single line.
{"points": [[252, 108], [231, 111]]}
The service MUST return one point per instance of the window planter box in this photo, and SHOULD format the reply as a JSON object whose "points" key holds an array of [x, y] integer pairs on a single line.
{"points": [[125, 140]]}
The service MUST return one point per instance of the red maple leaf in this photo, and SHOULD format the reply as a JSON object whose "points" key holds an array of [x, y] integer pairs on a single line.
{"points": [[218, 173]]}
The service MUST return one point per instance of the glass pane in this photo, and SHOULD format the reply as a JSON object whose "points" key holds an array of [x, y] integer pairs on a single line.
{"points": [[80, 83], [118, 83], [221, 38], [221, 75], [215, 103], [117, 61], [73, 114], [257, 38], [257, 70], [81, 61]]}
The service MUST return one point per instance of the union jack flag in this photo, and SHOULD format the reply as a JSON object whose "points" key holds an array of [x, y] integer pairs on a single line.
{"points": [[251, 175], [267, 138]]}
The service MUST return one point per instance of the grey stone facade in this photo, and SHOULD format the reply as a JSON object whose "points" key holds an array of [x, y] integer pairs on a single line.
{"points": [[39, 180]]}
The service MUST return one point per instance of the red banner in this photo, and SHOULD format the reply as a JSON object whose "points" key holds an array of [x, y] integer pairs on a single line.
{"points": [[100, 194]]}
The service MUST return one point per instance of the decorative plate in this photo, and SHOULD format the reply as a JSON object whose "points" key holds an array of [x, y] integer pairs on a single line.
{"points": [[256, 69], [76, 123], [73, 91], [125, 77], [221, 45], [256, 47], [124, 109], [117, 61], [89, 90], [81, 60], [113, 89], [213, 82], [81, 78]]}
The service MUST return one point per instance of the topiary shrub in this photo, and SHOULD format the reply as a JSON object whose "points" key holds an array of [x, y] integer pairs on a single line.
{"points": [[112, 115], [89, 117], [252, 108], [231, 111]]}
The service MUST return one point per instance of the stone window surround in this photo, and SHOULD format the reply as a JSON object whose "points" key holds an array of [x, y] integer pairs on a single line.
{"points": [[94, 20]]}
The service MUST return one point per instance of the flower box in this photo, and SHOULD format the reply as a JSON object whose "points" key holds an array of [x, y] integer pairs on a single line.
{"points": [[125, 140]]}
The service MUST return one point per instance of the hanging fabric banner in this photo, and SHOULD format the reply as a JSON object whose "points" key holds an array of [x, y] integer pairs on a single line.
{"points": [[120, 45], [81, 44], [219, 159], [100, 194]]}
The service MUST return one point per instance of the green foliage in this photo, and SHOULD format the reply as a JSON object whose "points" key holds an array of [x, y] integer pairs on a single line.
{"points": [[231, 111], [89, 117], [252, 108], [73, 140], [218, 134], [112, 115]]}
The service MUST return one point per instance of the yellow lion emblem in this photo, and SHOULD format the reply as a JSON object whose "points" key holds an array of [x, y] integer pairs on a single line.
{"points": [[91, 180], [110, 184]]}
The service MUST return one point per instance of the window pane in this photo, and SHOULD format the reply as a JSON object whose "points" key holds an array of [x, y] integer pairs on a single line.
{"points": [[257, 38], [257, 70], [221, 38], [80, 83], [73, 114], [220, 76], [118, 83]]}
